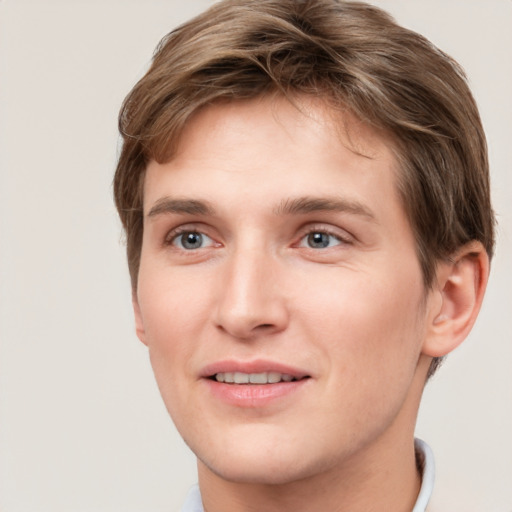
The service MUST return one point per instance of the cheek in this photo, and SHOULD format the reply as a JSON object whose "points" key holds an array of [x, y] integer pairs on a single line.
{"points": [[364, 321], [173, 310], [172, 303], [370, 334], [170, 352]]}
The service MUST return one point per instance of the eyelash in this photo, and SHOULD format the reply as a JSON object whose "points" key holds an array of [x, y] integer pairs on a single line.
{"points": [[313, 230], [175, 235], [172, 238]]}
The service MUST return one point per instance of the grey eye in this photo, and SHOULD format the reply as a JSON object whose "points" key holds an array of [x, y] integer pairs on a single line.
{"points": [[319, 240], [191, 240]]}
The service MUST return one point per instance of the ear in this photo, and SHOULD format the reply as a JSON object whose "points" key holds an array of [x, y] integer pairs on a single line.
{"points": [[456, 299], [139, 322]]}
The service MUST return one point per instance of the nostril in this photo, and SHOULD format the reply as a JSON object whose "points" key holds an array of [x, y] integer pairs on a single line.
{"points": [[246, 321]]}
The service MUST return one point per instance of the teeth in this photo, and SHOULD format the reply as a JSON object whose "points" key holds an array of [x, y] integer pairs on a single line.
{"points": [[241, 378], [258, 378], [253, 378], [273, 377]]}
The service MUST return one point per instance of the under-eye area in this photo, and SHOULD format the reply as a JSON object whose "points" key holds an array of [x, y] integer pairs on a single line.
{"points": [[254, 378]]}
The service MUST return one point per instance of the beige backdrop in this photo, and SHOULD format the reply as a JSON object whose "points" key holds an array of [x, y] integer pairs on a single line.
{"points": [[82, 426]]}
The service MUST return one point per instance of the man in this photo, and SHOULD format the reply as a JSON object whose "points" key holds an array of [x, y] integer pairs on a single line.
{"points": [[304, 187]]}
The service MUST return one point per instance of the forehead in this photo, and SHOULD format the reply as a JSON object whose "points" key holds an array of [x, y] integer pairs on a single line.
{"points": [[301, 141], [325, 122]]}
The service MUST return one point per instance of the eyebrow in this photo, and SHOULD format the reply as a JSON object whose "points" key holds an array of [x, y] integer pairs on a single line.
{"points": [[181, 206], [292, 206], [307, 204]]}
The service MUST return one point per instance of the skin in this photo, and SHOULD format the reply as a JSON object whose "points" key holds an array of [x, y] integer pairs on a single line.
{"points": [[353, 316]]}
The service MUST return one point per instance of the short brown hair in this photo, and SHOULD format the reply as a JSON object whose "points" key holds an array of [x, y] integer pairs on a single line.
{"points": [[357, 58]]}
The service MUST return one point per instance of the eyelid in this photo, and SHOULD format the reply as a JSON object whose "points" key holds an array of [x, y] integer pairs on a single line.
{"points": [[344, 237], [340, 234], [177, 241], [173, 234]]}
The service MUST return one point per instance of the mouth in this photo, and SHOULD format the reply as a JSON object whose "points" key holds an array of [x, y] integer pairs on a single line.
{"points": [[254, 384], [254, 378]]}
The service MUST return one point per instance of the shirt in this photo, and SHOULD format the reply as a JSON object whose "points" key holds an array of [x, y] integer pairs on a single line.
{"points": [[425, 460]]}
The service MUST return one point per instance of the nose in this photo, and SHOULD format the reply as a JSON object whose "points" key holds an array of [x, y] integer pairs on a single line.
{"points": [[251, 301]]}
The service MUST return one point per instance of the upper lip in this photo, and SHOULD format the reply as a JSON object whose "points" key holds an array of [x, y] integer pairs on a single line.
{"points": [[255, 366]]}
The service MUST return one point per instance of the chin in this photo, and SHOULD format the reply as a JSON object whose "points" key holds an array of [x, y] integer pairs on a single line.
{"points": [[262, 463], [264, 472]]}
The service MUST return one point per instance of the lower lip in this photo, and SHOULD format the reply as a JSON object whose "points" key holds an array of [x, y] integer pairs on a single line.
{"points": [[253, 395]]}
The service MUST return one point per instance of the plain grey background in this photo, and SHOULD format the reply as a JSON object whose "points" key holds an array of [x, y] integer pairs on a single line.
{"points": [[82, 427]]}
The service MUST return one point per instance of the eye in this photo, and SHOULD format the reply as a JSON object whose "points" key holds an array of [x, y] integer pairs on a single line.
{"points": [[320, 240], [191, 240]]}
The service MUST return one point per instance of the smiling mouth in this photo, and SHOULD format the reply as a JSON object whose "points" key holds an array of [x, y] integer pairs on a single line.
{"points": [[254, 378]]}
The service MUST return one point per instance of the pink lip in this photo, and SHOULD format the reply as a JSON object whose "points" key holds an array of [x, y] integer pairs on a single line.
{"points": [[252, 395]]}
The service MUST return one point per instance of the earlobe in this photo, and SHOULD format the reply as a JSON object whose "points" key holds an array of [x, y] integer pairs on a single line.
{"points": [[139, 322], [456, 299]]}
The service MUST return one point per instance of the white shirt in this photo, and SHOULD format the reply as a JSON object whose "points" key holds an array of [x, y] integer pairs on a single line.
{"points": [[425, 460]]}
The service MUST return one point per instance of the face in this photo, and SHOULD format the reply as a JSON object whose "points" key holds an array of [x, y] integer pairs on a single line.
{"points": [[279, 291]]}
